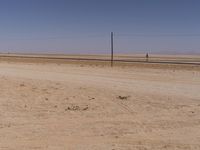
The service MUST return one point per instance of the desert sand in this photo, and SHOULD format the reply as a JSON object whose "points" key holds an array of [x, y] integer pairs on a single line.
{"points": [[74, 106]]}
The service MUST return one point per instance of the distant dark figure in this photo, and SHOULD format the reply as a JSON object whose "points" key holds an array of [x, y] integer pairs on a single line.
{"points": [[147, 57]]}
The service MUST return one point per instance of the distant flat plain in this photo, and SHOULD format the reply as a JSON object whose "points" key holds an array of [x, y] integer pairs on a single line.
{"points": [[154, 57], [52, 104]]}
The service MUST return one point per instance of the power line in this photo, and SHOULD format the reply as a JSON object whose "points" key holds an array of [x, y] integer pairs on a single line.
{"points": [[157, 35], [56, 37]]}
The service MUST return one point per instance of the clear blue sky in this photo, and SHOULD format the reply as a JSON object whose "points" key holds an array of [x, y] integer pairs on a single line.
{"points": [[83, 26]]}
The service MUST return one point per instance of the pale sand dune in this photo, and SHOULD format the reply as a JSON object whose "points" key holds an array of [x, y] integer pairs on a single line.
{"points": [[81, 107]]}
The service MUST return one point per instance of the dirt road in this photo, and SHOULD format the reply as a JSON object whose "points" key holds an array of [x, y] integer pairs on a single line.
{"points": [[81, 107]]}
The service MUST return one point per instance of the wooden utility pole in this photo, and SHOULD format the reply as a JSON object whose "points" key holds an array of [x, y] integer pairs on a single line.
{"points": [[112, 49]]}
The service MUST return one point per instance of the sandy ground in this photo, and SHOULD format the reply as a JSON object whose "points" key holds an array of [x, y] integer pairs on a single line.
{"points": [[81, 107]]}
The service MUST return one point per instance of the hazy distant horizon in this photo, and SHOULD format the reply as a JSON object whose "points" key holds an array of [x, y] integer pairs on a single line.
{"points": [[104, 52]]}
